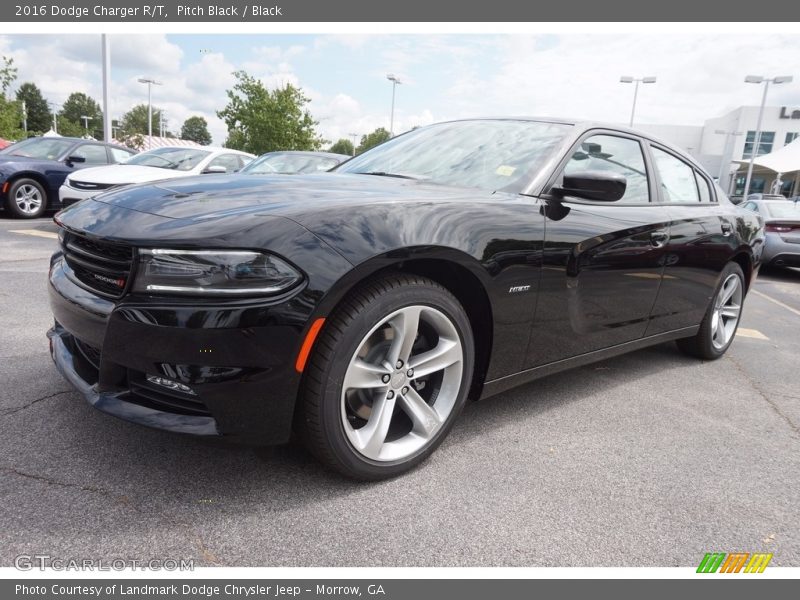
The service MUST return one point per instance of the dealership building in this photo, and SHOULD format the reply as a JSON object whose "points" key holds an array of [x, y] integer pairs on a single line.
{"points": [[721, 141]]}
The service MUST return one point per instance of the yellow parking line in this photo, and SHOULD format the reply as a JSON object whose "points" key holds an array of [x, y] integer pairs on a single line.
{"points": [[778, 302], [751, 333], [35, 232]]}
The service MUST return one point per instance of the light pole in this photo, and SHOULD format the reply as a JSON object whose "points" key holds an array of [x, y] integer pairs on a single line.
{"points": [[86, 120], [108, 129], [757, 137], [395, 82], [24, 116], [636, 80], [354, 136], [729, 135], [53, 105], [150, 83]]}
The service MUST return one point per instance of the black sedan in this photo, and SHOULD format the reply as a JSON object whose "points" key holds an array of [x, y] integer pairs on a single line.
{"points": [[364, 307], [31, 171]]}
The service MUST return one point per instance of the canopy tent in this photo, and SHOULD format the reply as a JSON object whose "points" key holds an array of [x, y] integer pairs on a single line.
{"points": [[783, 160]]}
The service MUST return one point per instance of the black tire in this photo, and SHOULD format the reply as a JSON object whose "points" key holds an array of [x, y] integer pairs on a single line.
{"points": [[319, 421], [11, 204], [701, 345]]}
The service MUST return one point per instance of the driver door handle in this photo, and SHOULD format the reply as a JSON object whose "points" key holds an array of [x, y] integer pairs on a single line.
{"points": [[659, 239]]}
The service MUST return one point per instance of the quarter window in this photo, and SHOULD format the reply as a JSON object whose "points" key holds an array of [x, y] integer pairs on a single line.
{"points": [[678, 183], [791, 136], [702, 185], [617, 155], [229, 161], [119, 155]]}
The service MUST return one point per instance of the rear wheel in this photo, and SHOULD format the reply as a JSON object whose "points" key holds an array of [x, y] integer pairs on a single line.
{"points": [[722, 318], [26, 199], [388, 376]]}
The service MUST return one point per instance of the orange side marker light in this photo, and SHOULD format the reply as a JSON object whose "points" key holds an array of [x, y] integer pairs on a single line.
{"points": [[308, 343]]}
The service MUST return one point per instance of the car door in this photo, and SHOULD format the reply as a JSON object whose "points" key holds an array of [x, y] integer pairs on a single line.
{"points": [[602, 261], [701, 241]]}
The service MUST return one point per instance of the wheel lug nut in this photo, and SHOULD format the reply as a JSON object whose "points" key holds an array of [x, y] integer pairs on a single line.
{"points": [[405, 390], [399, 364], [390, 395], [410, 373], [385, 379]]}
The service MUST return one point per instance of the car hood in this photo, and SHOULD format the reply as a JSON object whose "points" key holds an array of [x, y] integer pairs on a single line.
{"points": [[208, 196], [125, 174]]}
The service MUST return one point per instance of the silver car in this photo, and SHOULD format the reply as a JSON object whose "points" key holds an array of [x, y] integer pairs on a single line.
{"points": [[782, 224]]}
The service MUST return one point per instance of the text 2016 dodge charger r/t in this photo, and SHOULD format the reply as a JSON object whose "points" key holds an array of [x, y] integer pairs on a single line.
{"points": [[364, 306]]}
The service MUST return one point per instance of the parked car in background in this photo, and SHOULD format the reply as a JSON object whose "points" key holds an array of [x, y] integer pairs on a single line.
{"points": [[364, 306], [31, 171], [167, 162], [782, 225], [294, 162], [760, 196]]}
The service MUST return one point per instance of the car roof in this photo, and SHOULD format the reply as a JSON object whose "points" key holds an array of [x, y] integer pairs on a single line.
{"points": [[207, 148], [308, 153], [70, 138]]}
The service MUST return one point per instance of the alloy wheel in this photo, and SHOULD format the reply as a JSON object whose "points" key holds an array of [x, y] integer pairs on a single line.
{"points": [[402, 383], [727, 309], [28, 198]]}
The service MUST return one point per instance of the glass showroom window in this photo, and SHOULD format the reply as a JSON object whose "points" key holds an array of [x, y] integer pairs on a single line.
{"points": [[764, 145], [791, 136]]}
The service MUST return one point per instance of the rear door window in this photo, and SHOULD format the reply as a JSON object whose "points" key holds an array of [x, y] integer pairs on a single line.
{"points": [[677, 179]]}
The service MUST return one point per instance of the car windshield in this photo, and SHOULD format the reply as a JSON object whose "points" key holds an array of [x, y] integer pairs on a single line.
{"points": [[43, 148], [289, 163], [178, 159], [486, 154], [782, 209]]}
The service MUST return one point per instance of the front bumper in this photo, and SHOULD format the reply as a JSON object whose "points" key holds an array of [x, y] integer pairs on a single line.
{"points": [[69, 196], [237, 357]]}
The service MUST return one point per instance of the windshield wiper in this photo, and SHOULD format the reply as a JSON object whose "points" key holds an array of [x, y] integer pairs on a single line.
{"points": [[386, 174]]}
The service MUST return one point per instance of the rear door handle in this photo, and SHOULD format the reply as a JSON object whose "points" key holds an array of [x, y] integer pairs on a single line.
{"points": [[659, 239], [726, 228]]}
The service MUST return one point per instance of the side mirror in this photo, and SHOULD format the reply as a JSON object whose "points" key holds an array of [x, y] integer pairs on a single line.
{"points": [[216, 169], [76, 158], [593, 185]]}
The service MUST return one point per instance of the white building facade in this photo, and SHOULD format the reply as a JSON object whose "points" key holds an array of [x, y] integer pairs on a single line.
{"points": [[722, 140]]}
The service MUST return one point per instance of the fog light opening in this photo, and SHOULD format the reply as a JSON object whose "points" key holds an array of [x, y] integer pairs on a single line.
{"points": [[169, 384]]}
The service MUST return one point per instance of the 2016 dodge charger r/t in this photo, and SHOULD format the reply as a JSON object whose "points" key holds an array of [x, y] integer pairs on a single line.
{"points": [[363, 307]]}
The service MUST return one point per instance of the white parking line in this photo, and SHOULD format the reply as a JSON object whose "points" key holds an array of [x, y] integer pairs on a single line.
{"points": [[750, 333], [778, 302], [35, 232]]}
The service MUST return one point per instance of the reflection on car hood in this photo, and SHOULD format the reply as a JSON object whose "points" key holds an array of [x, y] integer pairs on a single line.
{"points": [[209, 196], [125, 174]]}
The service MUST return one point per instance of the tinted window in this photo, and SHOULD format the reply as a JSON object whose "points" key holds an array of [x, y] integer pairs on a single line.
{"points": [[750, 206], [616, 155], [487, 154], [229, 161], [94, 154], [677, 178], [702, 185], [120, 155]]}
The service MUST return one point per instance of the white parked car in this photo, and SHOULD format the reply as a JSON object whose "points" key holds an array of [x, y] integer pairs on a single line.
{"points": [[154, 165]]}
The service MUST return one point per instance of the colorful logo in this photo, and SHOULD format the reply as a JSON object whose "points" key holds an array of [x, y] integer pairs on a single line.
{"points": [[735, 562]]}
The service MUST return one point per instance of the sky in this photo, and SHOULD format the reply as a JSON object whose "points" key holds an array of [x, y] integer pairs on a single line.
{"points": [[443, 76]]}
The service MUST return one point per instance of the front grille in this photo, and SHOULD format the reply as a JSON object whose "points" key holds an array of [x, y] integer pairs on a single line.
{"points": [[100, 266], [89, 187]]}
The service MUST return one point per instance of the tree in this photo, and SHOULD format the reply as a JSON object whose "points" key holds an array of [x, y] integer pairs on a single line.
{"points": [[196, 129], [343, 146], [75, 107], [10, 110], [371, 140], [261, 120], [134, 122], [39, 119]]}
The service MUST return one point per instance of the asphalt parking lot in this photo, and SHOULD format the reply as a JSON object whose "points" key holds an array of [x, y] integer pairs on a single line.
{"points": [[650, 459]]}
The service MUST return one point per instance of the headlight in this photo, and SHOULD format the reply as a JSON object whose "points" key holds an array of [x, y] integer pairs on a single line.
{"points": [[212, 273]]}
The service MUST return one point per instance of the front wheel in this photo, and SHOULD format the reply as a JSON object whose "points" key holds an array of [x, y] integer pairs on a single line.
{"points": [[722, 317], [26, 199], [388, 377]]}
